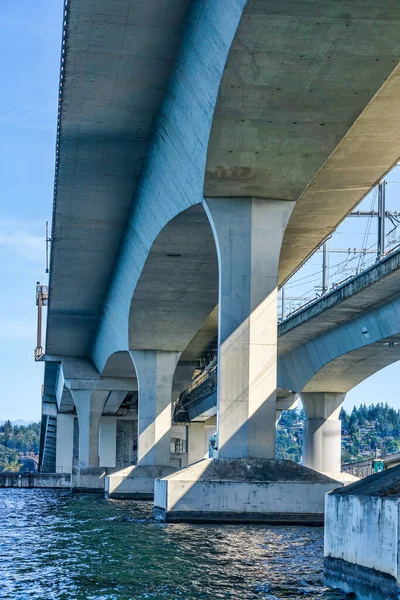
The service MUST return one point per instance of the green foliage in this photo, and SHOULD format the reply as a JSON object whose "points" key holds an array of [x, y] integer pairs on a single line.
{"points": [[289, 435], [370, 429], [15, 440], [364, 432]]}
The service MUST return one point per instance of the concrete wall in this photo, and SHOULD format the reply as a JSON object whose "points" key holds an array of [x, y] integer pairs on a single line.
{"points": [[35, 480], [239, 497], [363, 531]]}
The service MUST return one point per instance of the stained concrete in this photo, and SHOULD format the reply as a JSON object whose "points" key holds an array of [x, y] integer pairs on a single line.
{"points": [[35, 480], [362, 537], [243, 490], [88, 480]]}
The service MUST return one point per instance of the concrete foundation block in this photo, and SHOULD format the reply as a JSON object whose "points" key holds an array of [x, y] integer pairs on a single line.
{"points": [[135, 482], [243, 490], [362, 536], [345, 478], [35, 480], [88, 480]]}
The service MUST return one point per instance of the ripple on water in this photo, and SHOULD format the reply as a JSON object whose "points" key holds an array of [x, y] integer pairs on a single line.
{"points": [[55, 545]]}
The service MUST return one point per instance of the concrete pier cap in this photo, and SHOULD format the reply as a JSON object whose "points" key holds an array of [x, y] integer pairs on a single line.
{"points": [[135, 482], [243, 490]]}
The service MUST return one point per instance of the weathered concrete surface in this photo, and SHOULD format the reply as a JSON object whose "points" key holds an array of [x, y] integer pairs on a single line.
{"points": [[135, 483], [243, 490], [362, 537], [35, 480], [117, 62], [288, 64], [300, 113], [88, 479]]}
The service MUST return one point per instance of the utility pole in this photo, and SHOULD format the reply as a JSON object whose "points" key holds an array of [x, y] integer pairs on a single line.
{"points": [[325, 267], [41, 300], [283, 312], [48, 241], [381, 220]]}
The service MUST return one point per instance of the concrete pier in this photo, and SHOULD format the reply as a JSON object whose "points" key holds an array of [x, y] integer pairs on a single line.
{"points": [[322, 431], [362, 536], [155, 371], [35, 480], [248, 233], [247, 490], [135, 482], [245, 482], [88, 476]]}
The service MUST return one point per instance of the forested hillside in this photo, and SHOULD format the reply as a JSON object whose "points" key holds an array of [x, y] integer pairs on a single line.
{"points": [[366, 431], [16, 442]]}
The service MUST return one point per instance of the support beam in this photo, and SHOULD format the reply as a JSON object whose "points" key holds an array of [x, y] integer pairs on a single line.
{"points": [[155, 372], [322, 431], [248, 233], [89, 406], [196, 441], [64, 443], [89, 475]]}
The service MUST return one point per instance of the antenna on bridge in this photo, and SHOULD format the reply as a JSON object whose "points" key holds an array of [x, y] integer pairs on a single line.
{"points": [[48, 241]]}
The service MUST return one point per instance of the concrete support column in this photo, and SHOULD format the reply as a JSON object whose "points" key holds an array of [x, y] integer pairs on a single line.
{"points": [[248, 234], [64, 443], [196, 442], [155, 372], [322, 446], [108, 442], [89, 407]]}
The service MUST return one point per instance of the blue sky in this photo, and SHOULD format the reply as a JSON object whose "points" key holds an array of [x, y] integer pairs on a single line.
{"points": [[30, 34]]}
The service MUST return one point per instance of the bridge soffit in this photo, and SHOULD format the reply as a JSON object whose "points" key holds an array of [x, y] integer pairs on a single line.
{"points": [[377, 329]]}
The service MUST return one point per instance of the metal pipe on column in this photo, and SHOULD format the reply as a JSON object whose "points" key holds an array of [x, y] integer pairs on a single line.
{"points": [[325, 268], [283, 311], [381, 220]]}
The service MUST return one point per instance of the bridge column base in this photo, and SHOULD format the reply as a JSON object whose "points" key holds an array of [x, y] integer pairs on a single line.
{"points": [[135, 482], [243, 490], [88, 480]]}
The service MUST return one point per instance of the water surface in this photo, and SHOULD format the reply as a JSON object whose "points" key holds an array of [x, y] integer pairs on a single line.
{"points": [[81, 547]]}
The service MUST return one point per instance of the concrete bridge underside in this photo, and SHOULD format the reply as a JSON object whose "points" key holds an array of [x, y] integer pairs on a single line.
{"points": [[306, 111], [204, 149]]}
